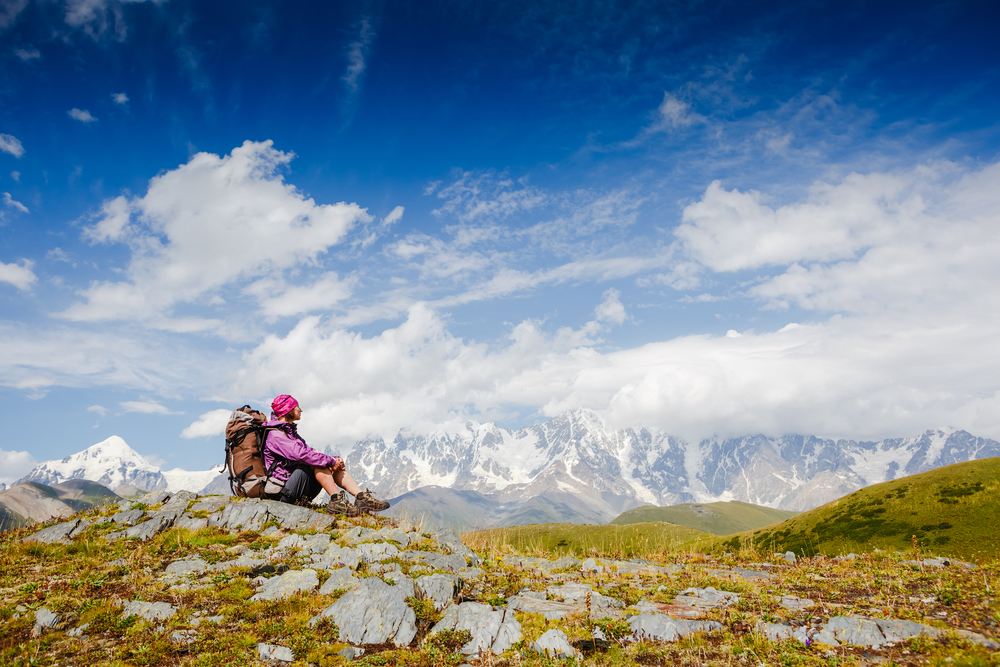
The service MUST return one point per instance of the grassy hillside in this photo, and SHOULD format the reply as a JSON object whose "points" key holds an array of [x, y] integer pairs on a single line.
{"points": [[640, 540], [27, 503], [714, 518], [952, 511]]}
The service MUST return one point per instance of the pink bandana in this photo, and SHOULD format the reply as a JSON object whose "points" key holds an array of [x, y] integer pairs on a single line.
{"points": [[282, 405]]}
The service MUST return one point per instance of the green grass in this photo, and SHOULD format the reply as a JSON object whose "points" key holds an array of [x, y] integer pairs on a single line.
{"points": [[714, 518], [567, 539], [952, 511]]}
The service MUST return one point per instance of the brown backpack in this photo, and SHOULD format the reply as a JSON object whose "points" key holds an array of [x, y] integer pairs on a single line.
{"points": [[245, 437]]}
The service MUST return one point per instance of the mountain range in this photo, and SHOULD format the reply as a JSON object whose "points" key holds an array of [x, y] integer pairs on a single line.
{"points": [[575, 453], [573, 468]]}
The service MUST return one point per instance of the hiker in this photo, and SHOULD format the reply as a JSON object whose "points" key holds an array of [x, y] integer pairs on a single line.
{"points": [[305, 471]]}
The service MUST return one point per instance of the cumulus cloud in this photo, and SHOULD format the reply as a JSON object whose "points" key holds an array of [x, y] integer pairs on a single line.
{"points": [[19, 275], [205, 225], [276, 298], [119, 98], [12, 203], [15, 465], [99, 409], [909, 256], [81, 115], [611, 309], [209, 424], [28, 54], [145, 407], [11, 144]]}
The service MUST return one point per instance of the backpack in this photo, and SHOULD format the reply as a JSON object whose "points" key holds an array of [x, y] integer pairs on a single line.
{"points": [[245, 438]]}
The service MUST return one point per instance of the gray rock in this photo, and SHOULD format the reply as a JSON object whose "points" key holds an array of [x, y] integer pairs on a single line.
{"points": [[789, 556], [252, 514], [372, 613], [80, 527], [340, 578], [470, 573], [550, 609], [378, 551], [590, 565], [306, 544], [706, 598], [397, 535], [57, 533], [183, 637], [288, 584], [441, 589], [491, 630], [151, 611], [659, 627], [436, 561], [255, 565], [46, 618], [78, 631], [155, 498], [271, 653], [190, 523], [559, 564], [143, 531], [556, 644], [403, 582], [207, 619], [186, 567], [526, 562], [358, 534], [210, 504], [336, 556], [129, 517], [569, 592], [794, 603]]}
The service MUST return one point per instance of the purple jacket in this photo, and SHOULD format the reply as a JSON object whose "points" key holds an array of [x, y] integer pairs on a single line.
{"points": [[291, 450]]}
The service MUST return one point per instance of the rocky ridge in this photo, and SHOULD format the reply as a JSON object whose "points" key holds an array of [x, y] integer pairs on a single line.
{"points": [[372, 589]]}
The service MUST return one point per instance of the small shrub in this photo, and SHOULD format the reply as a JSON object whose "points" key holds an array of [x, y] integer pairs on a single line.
{"points": [[451, 640], [424, 610], [614, 629]]}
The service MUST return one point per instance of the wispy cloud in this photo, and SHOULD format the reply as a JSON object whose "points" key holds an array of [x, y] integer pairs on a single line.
{"points": [[357, 62], [81, 115], [12, 203], [28, 54], [11, 144], [146, 407], [99, 409], [119, 98]]}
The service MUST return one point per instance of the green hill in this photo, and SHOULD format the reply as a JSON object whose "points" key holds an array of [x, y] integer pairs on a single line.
{"points": [[632, 541], [714, 518], [952, 511]]}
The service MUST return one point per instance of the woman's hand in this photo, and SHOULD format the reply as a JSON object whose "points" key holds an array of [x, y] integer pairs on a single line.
{"points": [[338, 464]]}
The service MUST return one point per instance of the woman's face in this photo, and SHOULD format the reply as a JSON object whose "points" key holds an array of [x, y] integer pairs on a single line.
{"points": [[295, 414]]}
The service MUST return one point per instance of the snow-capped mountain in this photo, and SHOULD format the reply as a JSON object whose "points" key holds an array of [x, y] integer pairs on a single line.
{"points": [[574, 452], [113, 463]]}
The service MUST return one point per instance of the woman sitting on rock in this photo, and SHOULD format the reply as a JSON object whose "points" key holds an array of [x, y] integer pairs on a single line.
{"points": [[305, 471]]}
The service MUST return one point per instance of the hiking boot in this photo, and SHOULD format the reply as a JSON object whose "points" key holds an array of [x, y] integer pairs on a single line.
{"points": [[339, 505], [367, 503]]}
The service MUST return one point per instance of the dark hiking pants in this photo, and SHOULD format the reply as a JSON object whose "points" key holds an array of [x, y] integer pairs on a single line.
{"points": [[301, 484]]}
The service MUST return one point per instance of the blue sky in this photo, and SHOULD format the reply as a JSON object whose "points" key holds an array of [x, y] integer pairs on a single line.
{"points": [[715, 219]]}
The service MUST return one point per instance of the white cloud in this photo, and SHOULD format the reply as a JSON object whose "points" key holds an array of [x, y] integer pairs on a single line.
{"points": [[611, 309], [95, 17], [99, 409], [276, 298], [28, 54], [207, 224], [14, 465], [676, 113], [145, 407], [20, 276], [11, 144], [477, 196], [16, 175], [119, 98], [12, 203], [395, 215], [209, 424], [81, 115], [9, 9]]}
